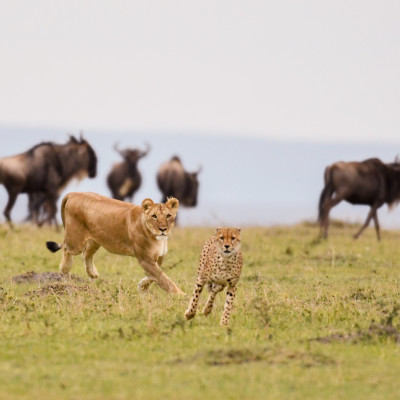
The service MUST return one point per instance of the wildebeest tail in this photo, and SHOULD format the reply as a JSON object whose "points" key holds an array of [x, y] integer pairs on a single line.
{"points": [[326, 192], [53, 246]]}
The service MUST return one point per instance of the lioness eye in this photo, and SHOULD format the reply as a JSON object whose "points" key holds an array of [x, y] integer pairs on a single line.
{"points": [[154, 216], [169, 215]]}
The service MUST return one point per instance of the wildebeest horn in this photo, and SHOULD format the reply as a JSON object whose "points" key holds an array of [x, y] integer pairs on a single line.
{"points": [[397, 160], [81, 136], [118, 150], [144, 153], [72, 138]]}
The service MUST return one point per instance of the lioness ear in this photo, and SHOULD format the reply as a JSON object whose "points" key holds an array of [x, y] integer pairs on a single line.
{"points": [[146, 204], [172, 203]]}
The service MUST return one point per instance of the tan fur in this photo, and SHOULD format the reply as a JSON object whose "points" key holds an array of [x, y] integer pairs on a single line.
{"points": [[126, 187], [220, 266], [91, 221]]}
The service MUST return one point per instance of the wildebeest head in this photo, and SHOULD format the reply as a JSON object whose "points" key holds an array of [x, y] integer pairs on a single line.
{"points": [[131, 156], [85, 153], [191, 189]]}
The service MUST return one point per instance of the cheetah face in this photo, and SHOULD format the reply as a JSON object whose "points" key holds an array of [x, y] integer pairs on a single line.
{"points": [[228, 241]]}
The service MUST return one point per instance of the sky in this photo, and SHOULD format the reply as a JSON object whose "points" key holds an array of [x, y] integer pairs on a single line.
{"points": [[289, 70]]}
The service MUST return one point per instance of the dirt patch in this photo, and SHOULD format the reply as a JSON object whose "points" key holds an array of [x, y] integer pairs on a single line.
{"points": [[61, 288], [271, 356], [374, 332], [385, 330], [43, 277]]}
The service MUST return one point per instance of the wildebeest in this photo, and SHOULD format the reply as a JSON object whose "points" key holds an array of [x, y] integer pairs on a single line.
{"points": [[43, 171], [78, 160], [124, 178], [174, 181], [370, 182]]}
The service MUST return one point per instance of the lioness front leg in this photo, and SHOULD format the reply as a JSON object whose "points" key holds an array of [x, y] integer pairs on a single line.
{"points": [[156, 274], [145, 283]]}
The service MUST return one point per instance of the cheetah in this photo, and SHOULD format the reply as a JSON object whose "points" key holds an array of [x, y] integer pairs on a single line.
{"points": [[220, 266]]}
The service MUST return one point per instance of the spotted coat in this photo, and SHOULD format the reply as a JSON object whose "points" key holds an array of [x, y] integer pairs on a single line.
{"points": [[220, 267]]}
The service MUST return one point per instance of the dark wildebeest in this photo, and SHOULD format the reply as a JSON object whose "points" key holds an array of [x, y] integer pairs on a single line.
{"points": [[174, 181], [30, 172], [370, 182], [78, 160], [43, 171], [124, 178]]}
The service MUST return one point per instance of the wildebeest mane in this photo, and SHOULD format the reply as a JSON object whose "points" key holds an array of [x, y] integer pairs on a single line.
{"points": [[392, 181], [92, 160], [33, 148]]}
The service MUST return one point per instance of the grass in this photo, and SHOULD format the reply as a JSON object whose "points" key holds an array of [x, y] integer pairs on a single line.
{"points": [[312, 320]]}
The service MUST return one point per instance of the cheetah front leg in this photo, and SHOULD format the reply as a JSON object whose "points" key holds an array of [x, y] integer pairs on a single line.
{"points": [[214, 289], [230, 296], [194, 301]]}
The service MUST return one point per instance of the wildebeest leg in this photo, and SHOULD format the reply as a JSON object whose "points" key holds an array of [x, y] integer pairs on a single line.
{"points": [[326, 207], [66, 261], [49, 211], [376, 222], [194, 301], [213, 289], [371, 214], [88, 253], [12, 197], [155, 272]]}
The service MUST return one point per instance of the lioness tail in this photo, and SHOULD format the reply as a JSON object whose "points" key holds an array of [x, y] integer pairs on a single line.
{"points": [[53, 246]]}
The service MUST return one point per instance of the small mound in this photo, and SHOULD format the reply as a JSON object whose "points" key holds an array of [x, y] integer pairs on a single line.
{"points": [[61, 288], [42, 277]]}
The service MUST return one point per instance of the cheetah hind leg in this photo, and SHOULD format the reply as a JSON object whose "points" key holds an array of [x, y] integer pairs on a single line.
{"points": [[213, 288]]}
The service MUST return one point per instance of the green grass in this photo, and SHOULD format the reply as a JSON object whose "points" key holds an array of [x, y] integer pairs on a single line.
{"points": [[312, 320]]}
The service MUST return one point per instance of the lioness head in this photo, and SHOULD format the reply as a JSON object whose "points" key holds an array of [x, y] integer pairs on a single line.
{"points": [[228, 240], [159, 218]]}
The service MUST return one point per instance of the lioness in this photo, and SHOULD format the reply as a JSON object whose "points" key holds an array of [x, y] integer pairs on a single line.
{"points": [[91, 221]]}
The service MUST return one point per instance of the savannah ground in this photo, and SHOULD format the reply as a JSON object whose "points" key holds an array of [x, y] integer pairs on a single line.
{"points": [[312, 320]]}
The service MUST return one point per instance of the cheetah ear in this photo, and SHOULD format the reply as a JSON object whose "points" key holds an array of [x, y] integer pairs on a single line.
{"points": [[146, 204], [218, 229]]}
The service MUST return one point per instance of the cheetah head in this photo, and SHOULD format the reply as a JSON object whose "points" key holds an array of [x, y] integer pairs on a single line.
{"points": [[228, 241]]}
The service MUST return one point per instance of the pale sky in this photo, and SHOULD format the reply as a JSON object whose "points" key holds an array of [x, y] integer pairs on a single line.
{"points": [[309, 70]]}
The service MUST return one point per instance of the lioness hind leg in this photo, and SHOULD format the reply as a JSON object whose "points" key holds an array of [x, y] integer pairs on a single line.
{"points": [[90, 249], [66, 261]]}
